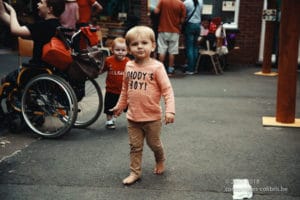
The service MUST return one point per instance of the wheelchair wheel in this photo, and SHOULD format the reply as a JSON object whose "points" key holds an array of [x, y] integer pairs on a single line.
{"points": [[90, 106], [49, 106]]}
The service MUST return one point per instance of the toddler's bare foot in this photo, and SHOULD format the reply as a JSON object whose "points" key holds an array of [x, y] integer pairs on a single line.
{"points": [[159, 167], [132, 178]]}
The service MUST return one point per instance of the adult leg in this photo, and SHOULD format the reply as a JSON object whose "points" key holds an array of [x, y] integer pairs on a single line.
{"points": [[173, 49], [188, 47], [196, 32], [171, 60], [162, 57], [162, 46], [191, 35]]}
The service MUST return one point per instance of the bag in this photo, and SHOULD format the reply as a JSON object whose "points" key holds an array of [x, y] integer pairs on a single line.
{"points": [[221, 41], [223, 50], [85, 66], [88, 37], [57, 54]]}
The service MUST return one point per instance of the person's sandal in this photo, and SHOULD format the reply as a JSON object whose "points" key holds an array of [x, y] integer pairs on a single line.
{"points": [[131, 179]]}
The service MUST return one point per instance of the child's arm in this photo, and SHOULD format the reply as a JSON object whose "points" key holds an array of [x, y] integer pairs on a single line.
{"points": [[4, 16], [97, 6], [15, 27], [169, 118], [168, 95], [122, 102]]}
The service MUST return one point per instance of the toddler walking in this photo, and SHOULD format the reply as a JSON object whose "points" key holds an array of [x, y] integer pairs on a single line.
{"points": [[115, 66], [145, 81]]}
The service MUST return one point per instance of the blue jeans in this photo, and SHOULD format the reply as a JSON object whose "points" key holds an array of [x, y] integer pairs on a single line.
{"points": [[191, 35]]}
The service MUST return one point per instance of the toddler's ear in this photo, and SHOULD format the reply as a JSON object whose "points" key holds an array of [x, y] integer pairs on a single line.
{"points": [[153, 46]]}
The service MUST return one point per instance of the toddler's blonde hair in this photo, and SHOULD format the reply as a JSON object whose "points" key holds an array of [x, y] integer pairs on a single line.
{"points": [[138, 31], [117, 40]]}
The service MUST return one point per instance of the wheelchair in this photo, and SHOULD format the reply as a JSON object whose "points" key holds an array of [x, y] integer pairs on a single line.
{"points": [[49, 101], [43, 101]]}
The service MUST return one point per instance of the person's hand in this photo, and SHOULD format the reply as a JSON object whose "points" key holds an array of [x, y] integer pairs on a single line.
{"points": [[97, 7], [8, 7], [169, 118], [151, 8], [117, 112], [100, 71]]}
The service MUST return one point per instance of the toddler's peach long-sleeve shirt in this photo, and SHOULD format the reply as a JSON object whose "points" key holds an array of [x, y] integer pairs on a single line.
{"points": [[142, 89]]}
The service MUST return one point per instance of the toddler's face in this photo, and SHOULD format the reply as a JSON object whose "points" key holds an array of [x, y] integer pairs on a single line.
{"points": [[119, 50], [205, 24], [141, 47]]}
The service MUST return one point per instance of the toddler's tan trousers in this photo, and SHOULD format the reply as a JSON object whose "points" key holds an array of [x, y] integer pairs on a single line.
{"points": [[138, 132]]}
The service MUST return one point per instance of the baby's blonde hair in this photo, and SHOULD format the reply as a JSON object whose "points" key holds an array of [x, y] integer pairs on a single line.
{"points": [[137, 31], [117, 40]]}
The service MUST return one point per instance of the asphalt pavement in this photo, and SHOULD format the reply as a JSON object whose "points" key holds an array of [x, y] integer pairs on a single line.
{"points": [[217, 136]]}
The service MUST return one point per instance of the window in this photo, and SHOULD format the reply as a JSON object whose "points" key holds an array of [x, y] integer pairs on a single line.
{"points": [[228, 10]]}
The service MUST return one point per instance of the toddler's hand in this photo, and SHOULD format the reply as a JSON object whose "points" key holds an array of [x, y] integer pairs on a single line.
{"points": [[169, 118], [117, 112]]}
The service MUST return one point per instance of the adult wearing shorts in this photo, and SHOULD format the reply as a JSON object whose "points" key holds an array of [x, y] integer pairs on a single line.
{"points": [[172, 15]]}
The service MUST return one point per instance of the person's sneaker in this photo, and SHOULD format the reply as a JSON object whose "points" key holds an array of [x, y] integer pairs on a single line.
{"points": [[184, 66], [189, 73], [110, 124], [171, 70]]}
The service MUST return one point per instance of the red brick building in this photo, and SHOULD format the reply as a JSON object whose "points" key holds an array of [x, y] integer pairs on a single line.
{"points": [[248, 26], [244, 17]]}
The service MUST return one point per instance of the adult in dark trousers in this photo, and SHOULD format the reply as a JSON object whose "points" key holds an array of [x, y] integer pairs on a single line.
{"points": [[172, 14], [191, 32]]}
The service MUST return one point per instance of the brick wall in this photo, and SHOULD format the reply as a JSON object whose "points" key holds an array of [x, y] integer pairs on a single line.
{"points": [[248, 38], [144, 18]]}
